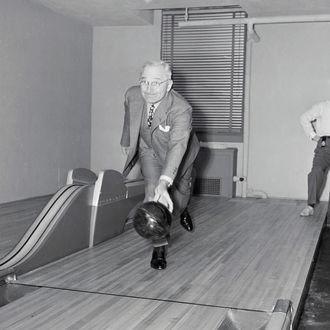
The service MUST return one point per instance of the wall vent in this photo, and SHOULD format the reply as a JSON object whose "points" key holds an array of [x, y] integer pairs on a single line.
{"points": [[215, 169], [208, 186]]}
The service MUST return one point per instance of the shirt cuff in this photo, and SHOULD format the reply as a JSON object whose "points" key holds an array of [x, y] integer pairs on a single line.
{"points": [[167, 179]]}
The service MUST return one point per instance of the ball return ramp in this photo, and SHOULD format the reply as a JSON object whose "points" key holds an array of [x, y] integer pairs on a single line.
{"points": [[86, 211]]}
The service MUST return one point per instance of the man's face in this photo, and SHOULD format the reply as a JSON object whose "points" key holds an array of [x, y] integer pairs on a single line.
{"points": [[154, 84]]}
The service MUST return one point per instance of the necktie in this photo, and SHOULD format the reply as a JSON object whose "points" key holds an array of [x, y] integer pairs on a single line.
{"points": [[151, 114]]}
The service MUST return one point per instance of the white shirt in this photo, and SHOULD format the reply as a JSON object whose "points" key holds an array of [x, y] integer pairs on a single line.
{"points": [[316, 121], [155, 104]]}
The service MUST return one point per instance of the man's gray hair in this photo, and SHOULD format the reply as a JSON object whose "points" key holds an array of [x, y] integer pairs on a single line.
{"points": [[166, 67]]}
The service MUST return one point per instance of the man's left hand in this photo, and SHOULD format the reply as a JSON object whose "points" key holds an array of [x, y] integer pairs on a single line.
{"points": [[162, 195]]}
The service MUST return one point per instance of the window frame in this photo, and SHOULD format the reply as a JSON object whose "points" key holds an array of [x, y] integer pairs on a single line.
{"points": [[233, 117]]}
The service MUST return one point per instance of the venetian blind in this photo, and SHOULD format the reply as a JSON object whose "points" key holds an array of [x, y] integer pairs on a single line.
{"points": [[208, 65]]}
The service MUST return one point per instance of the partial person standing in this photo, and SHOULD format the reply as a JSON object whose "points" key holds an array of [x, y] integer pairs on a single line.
{"points": [[316, 124], [158, 132]]}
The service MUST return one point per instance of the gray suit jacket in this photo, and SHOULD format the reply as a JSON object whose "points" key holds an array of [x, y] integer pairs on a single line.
{"points": [[173, 140]]}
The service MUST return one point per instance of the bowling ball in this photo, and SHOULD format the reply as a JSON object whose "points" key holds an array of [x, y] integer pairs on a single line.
{"points": [[152, 220]]}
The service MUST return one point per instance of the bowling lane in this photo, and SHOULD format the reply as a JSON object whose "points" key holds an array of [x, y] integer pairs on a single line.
{"points": [[244, 254], [65, 309]]}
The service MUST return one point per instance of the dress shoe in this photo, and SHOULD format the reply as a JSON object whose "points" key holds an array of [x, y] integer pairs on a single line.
{"points": [[186, 221], [158, 260]]}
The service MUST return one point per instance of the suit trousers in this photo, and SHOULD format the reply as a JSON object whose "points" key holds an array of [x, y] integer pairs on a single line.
{"points": [[180, 191], [317, 176]]}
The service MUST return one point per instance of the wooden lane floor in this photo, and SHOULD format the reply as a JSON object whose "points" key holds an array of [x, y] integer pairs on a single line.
{"points": [[16, 218], [242, 256], [62, 309]]}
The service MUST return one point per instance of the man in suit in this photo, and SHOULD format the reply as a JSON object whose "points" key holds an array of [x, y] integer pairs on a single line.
{"points": [[157, 131]]}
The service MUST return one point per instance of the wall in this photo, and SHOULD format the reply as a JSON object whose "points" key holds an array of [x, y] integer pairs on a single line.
{"points": [[118, 54], [290, 72], [45, 99]]}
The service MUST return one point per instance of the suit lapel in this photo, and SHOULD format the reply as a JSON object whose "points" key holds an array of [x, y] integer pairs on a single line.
{"points": [[161, 111]]}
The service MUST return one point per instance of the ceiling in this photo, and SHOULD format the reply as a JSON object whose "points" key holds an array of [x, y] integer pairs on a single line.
{"points": [[140, 12]]}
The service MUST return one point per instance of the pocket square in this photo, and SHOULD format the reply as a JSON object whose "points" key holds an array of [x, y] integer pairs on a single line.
{"points": [[164, 129]]}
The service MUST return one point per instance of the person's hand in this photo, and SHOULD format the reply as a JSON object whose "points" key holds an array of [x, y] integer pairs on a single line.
{"points": [[162, 195], [316, 138], [125, 150]]}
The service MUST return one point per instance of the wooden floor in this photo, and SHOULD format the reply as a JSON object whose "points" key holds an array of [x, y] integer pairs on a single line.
{"points": [[16, 218], [243, 255]]}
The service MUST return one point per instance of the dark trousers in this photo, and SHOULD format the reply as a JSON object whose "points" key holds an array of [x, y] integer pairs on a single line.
{"points": [[317, 176]]}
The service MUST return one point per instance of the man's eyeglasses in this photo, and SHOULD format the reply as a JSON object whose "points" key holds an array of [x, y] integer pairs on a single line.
{"points": [[152, 84]]}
